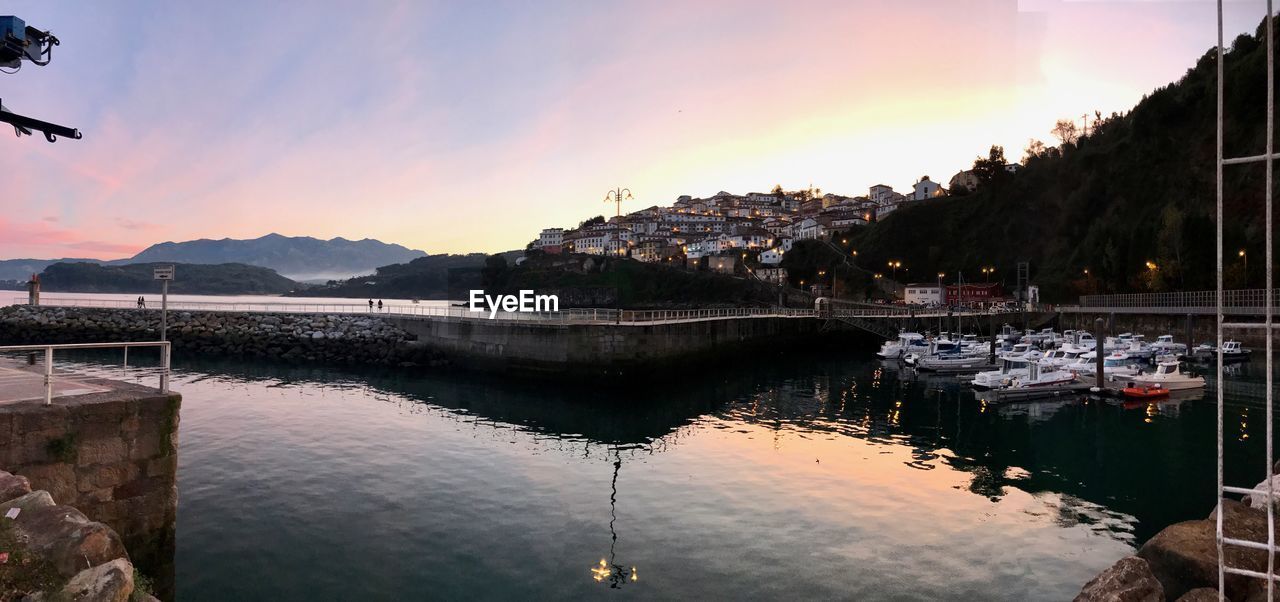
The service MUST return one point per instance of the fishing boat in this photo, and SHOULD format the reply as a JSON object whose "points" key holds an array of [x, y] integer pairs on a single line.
{"points": [[1010, 368], [907, 342], [1170, 377], [1115, 364], [1232, 352], [1164, 345], [1043, 376]]}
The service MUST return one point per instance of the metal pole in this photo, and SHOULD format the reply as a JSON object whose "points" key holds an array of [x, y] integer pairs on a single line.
{"points": [[992, 332], [164, 374], [48, 376], [1220, 387], [1271, 512], [1100, 351], [164, 308]]}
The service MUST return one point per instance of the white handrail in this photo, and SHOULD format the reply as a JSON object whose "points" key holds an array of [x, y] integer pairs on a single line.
{"points": [[48, 359], [580, 315]]}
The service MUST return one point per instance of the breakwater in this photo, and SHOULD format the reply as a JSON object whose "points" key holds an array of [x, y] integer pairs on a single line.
{"points": [[550, 348], [612, 350], [340, 338]]}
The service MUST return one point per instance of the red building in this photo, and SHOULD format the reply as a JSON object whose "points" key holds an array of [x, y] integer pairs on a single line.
{"points": [[977, 293]]}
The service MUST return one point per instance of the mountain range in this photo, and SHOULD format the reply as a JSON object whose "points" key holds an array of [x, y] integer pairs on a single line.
{"points": [[301, 258]]}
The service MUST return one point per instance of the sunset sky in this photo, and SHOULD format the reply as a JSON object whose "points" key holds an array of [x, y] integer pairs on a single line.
{"points": [[468, 126]]}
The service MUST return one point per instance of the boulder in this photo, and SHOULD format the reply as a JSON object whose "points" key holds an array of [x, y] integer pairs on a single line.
{"points": [[12, 486], [107, 582], [69, 540], [1200, 594], [1259, 501], [1128, 580], [1184, 556]]}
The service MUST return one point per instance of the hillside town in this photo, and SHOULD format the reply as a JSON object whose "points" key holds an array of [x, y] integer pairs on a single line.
{"points": [[728, 223]]}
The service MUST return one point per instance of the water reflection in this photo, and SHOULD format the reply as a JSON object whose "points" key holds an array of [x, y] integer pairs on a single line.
{"points": [[766, 479], [610, 571]]}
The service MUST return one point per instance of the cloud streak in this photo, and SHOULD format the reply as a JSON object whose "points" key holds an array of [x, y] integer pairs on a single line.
{"points": [[468, 126]]}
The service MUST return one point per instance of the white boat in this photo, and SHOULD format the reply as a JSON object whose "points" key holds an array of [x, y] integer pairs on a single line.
{"points": [[1233, 352], [1164, 345], [1114, 364], [1067, 354], [1043, 376], [1010, 368], [1169, 376], [907, 342], [951, 356]]}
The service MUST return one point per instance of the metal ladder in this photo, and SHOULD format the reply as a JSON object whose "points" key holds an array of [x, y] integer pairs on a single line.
{"points": [[1266, 492]]}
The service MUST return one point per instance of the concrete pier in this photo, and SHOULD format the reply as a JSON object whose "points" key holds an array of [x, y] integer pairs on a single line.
{"points": [[108, 448]]}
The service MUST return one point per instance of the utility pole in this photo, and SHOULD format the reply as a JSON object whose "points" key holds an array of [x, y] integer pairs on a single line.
{"points": [[616, 196]]}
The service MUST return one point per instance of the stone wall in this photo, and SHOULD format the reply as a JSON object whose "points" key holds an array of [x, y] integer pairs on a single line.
{"points": [[605, 350], [111, 455], [341, 338]]}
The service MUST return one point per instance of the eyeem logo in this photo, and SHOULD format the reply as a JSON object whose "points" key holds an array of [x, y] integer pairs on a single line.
{"points": [[525, 302]]}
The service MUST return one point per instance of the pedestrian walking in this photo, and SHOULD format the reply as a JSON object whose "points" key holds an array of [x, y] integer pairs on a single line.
{"points": [[379, 304], [371, 305]]}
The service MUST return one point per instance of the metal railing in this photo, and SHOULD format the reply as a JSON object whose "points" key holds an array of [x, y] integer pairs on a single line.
{"points": [[1267, 298], [567, 316], [49, 373], [1253, 297]]}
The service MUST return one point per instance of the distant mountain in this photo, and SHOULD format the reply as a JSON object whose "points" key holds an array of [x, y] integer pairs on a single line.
{"points": [[221, 279], [432, 277], [22, 269], [301, 258]]}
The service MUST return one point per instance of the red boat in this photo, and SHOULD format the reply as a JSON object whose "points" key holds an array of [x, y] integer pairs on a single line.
{"points": [[1145, 391]]}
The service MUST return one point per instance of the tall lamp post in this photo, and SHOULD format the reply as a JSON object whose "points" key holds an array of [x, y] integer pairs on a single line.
{"points": [[1245, 258], [616, 196], [895, 265]]}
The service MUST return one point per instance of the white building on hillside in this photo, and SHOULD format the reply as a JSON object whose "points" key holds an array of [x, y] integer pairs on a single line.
{"points": [[926, 189], [923, 294]]}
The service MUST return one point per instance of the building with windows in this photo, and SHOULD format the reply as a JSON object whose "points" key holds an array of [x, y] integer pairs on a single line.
{"points": [[922, 294]]}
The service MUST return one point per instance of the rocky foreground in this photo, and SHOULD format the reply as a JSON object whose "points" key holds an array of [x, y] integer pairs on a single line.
{"points": [[52, 552], [338, 338], [1181, 562]]}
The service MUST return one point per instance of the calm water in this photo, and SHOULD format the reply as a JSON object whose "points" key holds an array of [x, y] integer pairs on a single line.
{"points": [[808, 477]]}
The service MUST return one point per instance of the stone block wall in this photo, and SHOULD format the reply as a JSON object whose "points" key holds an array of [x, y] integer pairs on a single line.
{"points": [[113, 456]]}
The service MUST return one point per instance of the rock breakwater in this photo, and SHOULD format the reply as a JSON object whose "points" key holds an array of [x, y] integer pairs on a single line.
{"points": [[340, 338]]}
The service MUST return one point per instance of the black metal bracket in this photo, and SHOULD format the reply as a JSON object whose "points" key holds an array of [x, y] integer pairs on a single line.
{"points": [[23, 125]]}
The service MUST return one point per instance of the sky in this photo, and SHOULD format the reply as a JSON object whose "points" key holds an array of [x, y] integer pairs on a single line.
{"points": [[469, 126]]}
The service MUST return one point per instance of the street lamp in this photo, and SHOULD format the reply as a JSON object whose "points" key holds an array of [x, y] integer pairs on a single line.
{"points": [[1244, 257], [895, 265], [1151, 265]]}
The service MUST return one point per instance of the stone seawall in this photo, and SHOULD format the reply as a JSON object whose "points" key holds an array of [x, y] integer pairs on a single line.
{"points": [[340, 338], [608, 350], [112, 455]]}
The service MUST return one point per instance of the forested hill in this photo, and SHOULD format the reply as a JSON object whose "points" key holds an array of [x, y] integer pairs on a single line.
{"points": [[1138, 188], [192, 279]]}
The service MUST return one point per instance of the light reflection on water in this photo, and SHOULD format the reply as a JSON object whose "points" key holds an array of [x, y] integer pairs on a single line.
{"points": [[802, 477]]}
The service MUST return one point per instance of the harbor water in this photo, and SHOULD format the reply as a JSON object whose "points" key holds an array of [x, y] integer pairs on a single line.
{"points": [[791, 476]]}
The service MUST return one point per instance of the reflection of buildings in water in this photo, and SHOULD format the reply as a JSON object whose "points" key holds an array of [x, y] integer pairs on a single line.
{"points": [[609, 570]]}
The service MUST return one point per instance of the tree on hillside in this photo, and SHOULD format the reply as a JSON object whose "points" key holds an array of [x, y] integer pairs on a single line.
{"points": [[1065, 131], [1035, 148], [777, 190], [991, 169], [595, 221]]}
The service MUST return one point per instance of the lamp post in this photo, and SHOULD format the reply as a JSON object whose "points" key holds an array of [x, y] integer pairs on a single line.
{"points": [[1244, 257], [895, 265], [616, 196]]}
